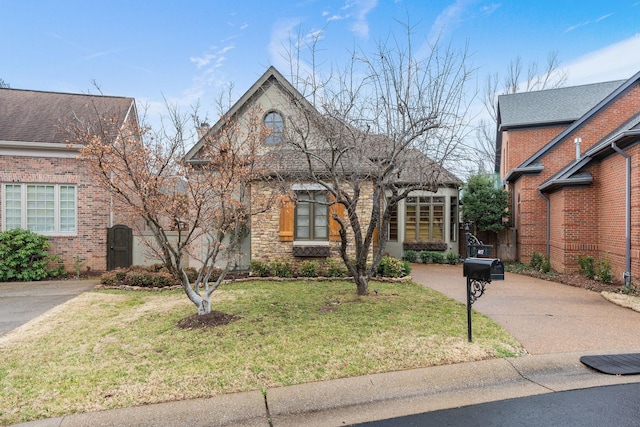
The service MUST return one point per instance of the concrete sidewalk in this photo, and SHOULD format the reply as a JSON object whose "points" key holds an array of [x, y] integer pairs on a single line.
{"points": [[556, 324]]}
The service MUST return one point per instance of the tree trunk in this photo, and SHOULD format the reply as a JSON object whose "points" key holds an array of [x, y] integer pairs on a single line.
{"points": [[362, 283]]}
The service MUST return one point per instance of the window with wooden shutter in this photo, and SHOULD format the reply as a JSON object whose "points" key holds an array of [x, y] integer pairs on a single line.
{"points": [[286, 220], [334, 226]]}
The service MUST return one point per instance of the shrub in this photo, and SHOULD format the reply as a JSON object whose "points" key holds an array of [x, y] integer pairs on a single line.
{"points": [[259, 268], [334, 267], [410, 256], [407, 268], [603, 270], [139, 276], [545, 267], [537, 259], [425, 257], [452, 258], [23, 255], [437, 257], [391, 267], [309, 268], [281, 268], [587, 266], [192, 273]]}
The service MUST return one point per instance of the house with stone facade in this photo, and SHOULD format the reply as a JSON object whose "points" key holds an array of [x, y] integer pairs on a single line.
{"points": [[46, 187], [571, 160], [301, 225]]}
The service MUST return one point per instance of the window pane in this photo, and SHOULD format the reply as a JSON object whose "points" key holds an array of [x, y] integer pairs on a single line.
{"points": [[13, 206], [393, 224], [274, 124], [453, 226], [67, 208], [40, 208], [424, 222], [438, 222], [303, 220], [320, 221], [411, 223]]}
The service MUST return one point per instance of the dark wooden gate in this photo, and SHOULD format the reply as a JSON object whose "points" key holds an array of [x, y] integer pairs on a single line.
{"points": [[119, 247]]}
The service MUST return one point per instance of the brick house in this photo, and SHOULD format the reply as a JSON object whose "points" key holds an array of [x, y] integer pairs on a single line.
{"points": [[570, 158], [45, 186], [302, 227]]}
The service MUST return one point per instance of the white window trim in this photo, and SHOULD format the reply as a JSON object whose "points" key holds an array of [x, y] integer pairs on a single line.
{"points": [[56, 199]]}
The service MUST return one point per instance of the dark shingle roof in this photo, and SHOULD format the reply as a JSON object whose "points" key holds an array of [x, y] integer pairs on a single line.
{"points": [[34, 116], [552, 105]]}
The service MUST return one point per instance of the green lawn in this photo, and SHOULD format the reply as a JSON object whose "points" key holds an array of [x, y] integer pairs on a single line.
{"points": [[109, 349]]}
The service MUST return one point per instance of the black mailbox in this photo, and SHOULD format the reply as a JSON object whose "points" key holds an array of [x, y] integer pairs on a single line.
{"points": [[486, 269]]}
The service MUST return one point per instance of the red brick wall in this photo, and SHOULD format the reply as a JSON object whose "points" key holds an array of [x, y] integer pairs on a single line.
{"points": [[93, 205], [584, 221]]}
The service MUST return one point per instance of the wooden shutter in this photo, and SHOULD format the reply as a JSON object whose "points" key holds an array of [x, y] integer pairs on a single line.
{"points": [[334, 226], [286, 220]]}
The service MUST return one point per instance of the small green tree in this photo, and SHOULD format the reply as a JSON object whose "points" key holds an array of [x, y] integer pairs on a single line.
{"points": [[484, 204]]}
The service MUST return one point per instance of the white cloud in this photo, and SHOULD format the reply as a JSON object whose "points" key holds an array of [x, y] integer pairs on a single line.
{"points": [[614, 62], [356, 10], [450, 18], [216, 56], [585, 23], [361, 26], [279, 43]]}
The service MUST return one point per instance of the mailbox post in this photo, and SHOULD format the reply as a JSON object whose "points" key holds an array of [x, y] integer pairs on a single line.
{"points": [[479, 272]]}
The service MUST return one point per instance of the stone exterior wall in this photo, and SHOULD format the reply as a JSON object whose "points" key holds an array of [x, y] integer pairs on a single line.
{"points": [[265, 227]]}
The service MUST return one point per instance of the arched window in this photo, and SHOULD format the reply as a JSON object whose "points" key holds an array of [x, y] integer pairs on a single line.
{"points": [[274, 123]]}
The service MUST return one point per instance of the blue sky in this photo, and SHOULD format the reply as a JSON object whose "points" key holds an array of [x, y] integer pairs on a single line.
{"points": [[186, 51]]}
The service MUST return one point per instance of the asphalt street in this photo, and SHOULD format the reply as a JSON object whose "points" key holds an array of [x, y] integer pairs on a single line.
{"points": [[617, 405]]}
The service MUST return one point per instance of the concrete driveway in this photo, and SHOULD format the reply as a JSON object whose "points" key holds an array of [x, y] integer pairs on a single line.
{"points": [[545, 317], [22, 301]]}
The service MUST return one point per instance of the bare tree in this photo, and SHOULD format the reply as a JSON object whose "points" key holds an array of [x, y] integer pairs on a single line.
{"points": [[551, 76], [198, 209], [4, 84], [375, 131]]}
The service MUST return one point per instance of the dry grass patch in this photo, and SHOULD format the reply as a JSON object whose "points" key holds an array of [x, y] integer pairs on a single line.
{"points": [[112, 349]]}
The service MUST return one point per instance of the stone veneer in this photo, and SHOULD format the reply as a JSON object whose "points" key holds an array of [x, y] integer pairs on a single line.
{"points": [[265, 228]]}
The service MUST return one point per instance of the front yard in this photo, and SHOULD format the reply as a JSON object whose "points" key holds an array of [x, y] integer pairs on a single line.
{"points": [[109, 349]]}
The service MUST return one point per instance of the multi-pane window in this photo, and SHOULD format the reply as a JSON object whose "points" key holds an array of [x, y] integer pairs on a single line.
{"points": [[275, 125], [311, 216], [42, 208], [424, 218]]}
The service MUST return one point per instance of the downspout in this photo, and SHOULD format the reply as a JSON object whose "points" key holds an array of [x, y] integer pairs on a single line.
{"points": [[548, 254], [627, 273]]}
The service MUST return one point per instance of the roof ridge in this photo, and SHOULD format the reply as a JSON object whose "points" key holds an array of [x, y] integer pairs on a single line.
{"points": [[53, 92]]}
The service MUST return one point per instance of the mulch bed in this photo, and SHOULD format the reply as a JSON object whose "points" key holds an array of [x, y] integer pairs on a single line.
{"points": [[201, 321]]}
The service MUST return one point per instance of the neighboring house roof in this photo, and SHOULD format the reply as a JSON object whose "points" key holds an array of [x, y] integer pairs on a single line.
{"points": [[532, 164], [33, 116], [551, 106]]}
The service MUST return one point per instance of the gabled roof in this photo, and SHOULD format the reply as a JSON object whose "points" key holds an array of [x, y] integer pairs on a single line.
{"points": [[574, 173], [33, 116], [551, 106], [285, 161], [269, 77], [598, 107]]}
